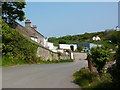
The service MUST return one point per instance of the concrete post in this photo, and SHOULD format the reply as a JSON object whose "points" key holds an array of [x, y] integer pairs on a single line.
{"points": [[71, 55]]}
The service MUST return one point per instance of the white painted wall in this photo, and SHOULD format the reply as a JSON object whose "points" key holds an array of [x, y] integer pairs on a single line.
{"points": [[54, 50], [45, 42], [72, 57], [50, 45], [62, 51], [55, 47], [67, 46], [34, 39]]}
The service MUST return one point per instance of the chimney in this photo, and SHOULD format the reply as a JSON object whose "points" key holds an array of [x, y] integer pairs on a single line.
{"points": [[27, 23], [35, 27]]}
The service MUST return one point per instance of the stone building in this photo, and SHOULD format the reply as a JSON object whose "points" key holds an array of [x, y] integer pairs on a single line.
{"points": [[31, 32]]}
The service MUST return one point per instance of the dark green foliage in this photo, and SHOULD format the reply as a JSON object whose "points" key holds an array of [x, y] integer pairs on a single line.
{"points": [[12, 11], [52, 39], [16, 47], [115, 69], [62, 61], [79, 49], [90, 80], [115, 73], [100, 55], [85, 38], [84, 77], [9, 61], [104, 82], [62, 41], [118, 57], [55, 61], [115, 37]]}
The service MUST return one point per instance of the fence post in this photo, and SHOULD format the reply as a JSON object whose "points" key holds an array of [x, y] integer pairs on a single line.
{"points": [[89, 63]]}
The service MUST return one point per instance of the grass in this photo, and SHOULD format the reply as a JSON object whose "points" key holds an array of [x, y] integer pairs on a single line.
{"points": [[9, 61], [104, 82], [0, 62], [89, 80], [84, 77], [56, 61]]}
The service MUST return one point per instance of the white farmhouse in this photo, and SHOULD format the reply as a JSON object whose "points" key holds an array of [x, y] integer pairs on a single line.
{"points": [[96, 38], [67, 46]]}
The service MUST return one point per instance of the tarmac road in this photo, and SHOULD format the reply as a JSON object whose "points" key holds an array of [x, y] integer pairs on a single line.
{"points": [[41, 75]]}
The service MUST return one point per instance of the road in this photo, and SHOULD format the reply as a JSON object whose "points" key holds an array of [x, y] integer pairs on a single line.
{"points": [[41, 75]]}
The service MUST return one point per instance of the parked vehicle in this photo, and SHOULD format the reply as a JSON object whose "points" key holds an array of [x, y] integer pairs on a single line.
{"points": [[86, 49]]}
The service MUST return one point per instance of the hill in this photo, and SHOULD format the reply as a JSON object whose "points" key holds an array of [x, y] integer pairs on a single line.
{"points": [[84, 38]]}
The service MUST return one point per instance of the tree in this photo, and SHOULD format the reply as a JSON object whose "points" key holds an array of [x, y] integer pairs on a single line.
{"points": [[13, 11], [62, 41], [52, 39]]}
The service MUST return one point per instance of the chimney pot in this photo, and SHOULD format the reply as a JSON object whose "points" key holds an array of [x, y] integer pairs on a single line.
{"points": [[27, 23], [35, 27]]}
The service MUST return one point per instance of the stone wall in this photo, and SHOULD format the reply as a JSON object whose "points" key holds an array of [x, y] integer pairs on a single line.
{"points": [[80, 56], [46, 54]]}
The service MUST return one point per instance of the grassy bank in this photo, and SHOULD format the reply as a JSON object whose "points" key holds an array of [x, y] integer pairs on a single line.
{"points": [[7, 61], [56, 61], [92, 81], [16, 48]]}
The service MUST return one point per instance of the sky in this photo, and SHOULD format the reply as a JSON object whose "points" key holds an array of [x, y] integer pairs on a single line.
{"points": [[56, 19]]}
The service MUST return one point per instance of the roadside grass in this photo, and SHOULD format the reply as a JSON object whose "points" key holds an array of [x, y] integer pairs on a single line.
{"points": [[9, 61], [104, 82], [56, 61], [84, 77], [0, 63], [91, 81]]}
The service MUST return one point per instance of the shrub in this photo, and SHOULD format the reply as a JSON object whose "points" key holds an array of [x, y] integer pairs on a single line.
{"points": [[84, 77], [100, 55], [104, 82], [79, 48], [90, 80]]}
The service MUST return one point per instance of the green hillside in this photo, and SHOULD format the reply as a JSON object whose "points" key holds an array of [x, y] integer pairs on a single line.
{"points": [[84, 38], [16, 49]]}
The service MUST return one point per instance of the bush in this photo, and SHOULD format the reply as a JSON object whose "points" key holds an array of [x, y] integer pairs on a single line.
{"points": [[90, 80], [79, 49], [84, 77], [100, 55], [104, 82]]}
